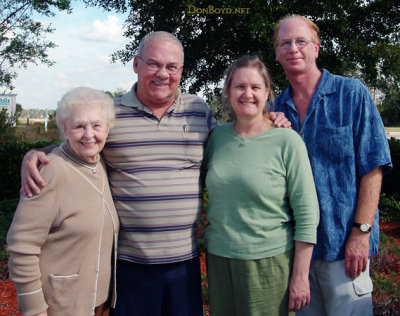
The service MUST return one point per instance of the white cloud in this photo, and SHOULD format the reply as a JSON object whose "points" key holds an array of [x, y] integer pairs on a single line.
{"points": [[79, 61], [109, 30]]}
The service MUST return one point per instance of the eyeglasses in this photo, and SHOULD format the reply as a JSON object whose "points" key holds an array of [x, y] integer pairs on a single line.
{"points": [[155, 66], [300, 43]]}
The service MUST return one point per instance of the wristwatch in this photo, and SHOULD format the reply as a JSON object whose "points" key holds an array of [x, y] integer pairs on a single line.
{"points": [[365, 228]]}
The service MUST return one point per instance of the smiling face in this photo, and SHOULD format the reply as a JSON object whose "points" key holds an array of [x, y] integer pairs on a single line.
{"points": [[157, 89], [296, 60], [248, 93], [86, 130]]}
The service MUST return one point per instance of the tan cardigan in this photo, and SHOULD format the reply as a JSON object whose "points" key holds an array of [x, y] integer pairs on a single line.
{"points": [[55, 240]]}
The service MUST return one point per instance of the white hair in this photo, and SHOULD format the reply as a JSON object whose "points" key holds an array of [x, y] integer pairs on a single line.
{"points": [[84, 96], [159, 35]]}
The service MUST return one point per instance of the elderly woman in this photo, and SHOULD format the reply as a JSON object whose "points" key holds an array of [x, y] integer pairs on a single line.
{"points": [[62, 242], [262, 204]]}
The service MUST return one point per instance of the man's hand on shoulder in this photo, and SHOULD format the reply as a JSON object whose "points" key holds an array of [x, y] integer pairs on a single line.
{"points": [[280, 120], [31, 181]]}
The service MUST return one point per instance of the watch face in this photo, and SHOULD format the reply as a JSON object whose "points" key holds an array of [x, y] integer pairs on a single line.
{"points": [[364, 227]]}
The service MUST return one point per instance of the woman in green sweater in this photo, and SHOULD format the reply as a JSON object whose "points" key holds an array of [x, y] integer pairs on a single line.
{"points": [[263, 209]]}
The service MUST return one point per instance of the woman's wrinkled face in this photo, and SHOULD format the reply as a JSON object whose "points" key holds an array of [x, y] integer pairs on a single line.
{"points": [[86, 130]]}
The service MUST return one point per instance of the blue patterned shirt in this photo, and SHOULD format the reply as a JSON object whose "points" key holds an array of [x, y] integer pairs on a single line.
{"points": [[345, 139]]}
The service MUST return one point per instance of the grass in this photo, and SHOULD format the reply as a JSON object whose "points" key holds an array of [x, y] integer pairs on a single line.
{"points": [[35, 132], [392, 129], [385, 277]]}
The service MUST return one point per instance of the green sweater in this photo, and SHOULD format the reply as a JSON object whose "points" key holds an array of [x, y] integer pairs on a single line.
{"points": [[261, 193]]}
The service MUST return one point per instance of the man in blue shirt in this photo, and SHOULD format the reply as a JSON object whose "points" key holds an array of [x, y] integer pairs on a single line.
{"points": [[349, 153]]}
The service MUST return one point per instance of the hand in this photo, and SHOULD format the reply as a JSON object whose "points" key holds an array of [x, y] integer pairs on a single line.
{"points": [[31, 181], [42, 314], [356, 255], [279, 119], [299, 292]]}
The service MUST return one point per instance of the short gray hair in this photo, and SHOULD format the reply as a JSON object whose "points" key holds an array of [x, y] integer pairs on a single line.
{"points": [[159, 35], [81, 96]]}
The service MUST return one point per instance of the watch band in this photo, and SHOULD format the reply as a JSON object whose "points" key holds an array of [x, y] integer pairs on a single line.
{"points": [[365, 228]]}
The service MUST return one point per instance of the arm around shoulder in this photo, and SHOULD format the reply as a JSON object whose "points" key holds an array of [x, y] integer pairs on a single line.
{"points": [[31, 180]]}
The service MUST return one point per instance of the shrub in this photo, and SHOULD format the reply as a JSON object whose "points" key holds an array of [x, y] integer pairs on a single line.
{"points": [[11, 154], [7, 209], [391, 181], [389, 208], [386, 281], [7, 129]]}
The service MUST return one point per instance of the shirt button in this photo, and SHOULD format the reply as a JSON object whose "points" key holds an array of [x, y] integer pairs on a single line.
{"points": [[301, 133]]}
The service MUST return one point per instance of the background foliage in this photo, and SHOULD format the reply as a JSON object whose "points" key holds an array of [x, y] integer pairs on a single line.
{"points": [[391, 181], [358, 38], [22, 39], [11, 154]]}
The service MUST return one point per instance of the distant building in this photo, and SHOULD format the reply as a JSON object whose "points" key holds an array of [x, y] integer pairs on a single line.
{"points": [[8, 102]]}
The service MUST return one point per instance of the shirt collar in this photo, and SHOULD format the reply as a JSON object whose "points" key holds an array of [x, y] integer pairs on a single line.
{"points": [[326, 86]]}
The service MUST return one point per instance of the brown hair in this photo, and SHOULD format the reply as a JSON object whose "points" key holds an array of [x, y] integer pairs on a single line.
{"points": [[314, 28]]}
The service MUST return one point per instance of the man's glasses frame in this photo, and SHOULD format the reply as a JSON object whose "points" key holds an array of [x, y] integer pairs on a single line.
{"points": [[155, 66], [299, 42]]}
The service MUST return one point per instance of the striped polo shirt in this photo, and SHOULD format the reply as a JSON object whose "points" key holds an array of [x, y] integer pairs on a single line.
{"points": [[154, 170]]}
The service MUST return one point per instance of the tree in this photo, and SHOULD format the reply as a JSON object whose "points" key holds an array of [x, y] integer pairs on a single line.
{"points": [[17, 113], [116, 93], [7, 129], [353, 33], [389, 83], [8, 122], [390, 107], [22, 39]]}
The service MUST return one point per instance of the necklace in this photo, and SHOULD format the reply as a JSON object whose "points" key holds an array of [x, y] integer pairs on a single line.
{"points": [[92, 167]]}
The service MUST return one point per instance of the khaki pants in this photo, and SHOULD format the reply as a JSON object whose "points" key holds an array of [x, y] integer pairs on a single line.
{"points": [[334, 294]]}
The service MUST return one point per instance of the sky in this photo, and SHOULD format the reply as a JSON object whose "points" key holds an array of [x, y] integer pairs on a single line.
{"points": [[86, 38]]}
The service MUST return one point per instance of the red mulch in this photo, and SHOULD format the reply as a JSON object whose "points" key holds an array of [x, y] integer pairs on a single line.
{"points": [[8, 301], [391, 229]]}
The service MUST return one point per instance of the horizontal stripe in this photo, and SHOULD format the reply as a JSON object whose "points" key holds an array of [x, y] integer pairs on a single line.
{"points": [[175, 209], [30, 293], [155, 143], [169, 245], [147, 115], [156, 241], [150, 169], [152, 198], [159, 260], [156, 229], [154, 174]]}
